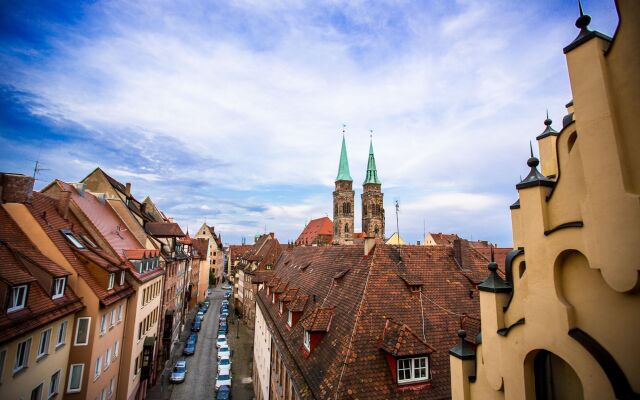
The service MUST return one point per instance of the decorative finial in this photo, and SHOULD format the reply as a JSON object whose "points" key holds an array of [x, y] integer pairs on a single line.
{"points": [[462, 333], [583, 20], [532, 161], [370, 133], [492, 255], [531, 148], [548, 121]]}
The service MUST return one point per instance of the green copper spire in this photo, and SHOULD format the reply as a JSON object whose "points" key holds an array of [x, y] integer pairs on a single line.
{"points": [[372, 172], [343, 167]]}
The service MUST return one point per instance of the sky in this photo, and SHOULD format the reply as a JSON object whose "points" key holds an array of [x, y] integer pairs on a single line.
{"points": [[232, 112]]}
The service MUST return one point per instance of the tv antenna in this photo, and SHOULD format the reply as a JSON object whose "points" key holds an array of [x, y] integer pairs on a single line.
{"points": [[37, 169]]}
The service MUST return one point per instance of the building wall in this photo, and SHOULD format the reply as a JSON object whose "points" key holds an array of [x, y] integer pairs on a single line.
{"points": [[575, 287], [373, 211], [203, 284], [137, 312], [20, 384], [261, 357], [239, 284]]}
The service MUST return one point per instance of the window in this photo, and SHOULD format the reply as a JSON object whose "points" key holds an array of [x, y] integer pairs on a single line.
{"points": [[103, 394], [273, 298], [22, 355], [111, 387], [43, 348], [290, 318], [89, 241], [107, 359], [36, 394], [123, 274], [103, 324], [54, 383], [413, 369], [62, 334], [280, 307], [135, 368], [115, 349], [96, 371], [75, 378], [74, 240], [112, 320], [58, 287], [18, 298], [120, 313], [112, 278], [140, 330], [82, 331], [307, 340]]}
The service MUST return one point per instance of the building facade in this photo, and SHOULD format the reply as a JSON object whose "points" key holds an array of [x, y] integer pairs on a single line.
{"points": [[372, 200], [343, 201], [561, 323], [215, 256]]}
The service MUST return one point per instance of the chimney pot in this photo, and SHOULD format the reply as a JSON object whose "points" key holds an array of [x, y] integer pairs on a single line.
{"points": [[63, 203], [16, 188]]}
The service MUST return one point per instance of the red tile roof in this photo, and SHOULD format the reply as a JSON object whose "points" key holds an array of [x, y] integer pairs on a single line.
{"points": [[319, 320], [444, 238], [317, 231], [375, 292], [164, 229], [236, 251], [265, 251], [200, 248]]}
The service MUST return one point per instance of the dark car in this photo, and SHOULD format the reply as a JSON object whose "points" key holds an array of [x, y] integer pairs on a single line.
{"points": [[196, 325], [224, 393], [189, 348], [223, 329], [193, 336]]}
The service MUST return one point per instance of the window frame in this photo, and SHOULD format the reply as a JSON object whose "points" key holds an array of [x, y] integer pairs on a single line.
{"points": [[107, 358], [411, 370], [306, 340], [119, 313], [97, 368], [103, 324], [57, 295], [123, 275], [290, 319], [62, 330], [116, 348], [54, 386], [281, 307], [72, 367], [75, 336], [45, 338], [112, 280], [27, 350], [13, 300], [40, 389], [72, 239]]}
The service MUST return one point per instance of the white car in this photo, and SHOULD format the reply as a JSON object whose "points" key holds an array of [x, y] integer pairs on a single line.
{"points": [[223, 380], [224, 370], [223, 352], [224, 362], [222, 336], [222, 342], [179, 372]]}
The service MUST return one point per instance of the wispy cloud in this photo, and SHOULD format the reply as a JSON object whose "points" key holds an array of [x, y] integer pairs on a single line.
{"points": [[234, 108]]}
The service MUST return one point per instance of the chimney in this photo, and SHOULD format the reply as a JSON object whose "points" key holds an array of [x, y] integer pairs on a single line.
{"points": [[457, 251], [63, 203], [127, 189], [369, 244], [16, 188]]}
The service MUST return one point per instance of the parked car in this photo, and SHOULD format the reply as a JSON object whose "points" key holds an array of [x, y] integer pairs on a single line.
{"points": [[224, 352], [224, 362], [223, 330], [196, 325], [227, 295], [179, 372], [227, 286], [221, 342], [224, 393], [224, 369], [200, 314], [225, 302], [193, 336], [189, 348], [223, 380]]}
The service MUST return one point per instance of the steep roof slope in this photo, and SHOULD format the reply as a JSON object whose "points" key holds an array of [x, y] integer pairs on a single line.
{"points": [[315, 228]]}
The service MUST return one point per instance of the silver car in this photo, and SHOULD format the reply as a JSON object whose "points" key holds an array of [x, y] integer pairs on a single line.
{"points": [[179, 372]]}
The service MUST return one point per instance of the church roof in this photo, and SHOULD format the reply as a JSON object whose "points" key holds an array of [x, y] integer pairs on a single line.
{"points": [[314, 229], [343, 167], [372, 172]]}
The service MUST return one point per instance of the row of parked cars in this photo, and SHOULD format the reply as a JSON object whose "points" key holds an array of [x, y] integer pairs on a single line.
{"points": [[223, 378], [179, 373]]}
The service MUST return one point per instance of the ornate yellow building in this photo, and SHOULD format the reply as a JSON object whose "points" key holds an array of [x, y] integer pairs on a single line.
{"points": [[561, 324]]}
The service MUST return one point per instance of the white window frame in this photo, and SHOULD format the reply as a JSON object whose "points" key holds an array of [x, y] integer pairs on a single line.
{"points": [[281, 307], [307, 340], [107, 358], [54, 385], [71, 369], [103, 324], [273, 298], [116, 348], [290, 319], [413, 367], [27, 350], [111, 386], [97, 370], [112, 318], [112, 279], [123, 274], [59, 285], [103, 394], [120, 313], [74, 240], [18, 299], [75, 339], [62, 335], [45, 340]]}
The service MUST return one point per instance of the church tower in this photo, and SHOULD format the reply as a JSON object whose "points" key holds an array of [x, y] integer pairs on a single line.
{"points": [[343, 201], [372, 202]]}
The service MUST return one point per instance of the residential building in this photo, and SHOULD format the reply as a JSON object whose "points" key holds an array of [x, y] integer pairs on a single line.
{"points": [[395, 239], [215, 256], [561, 324], [200, 251], [39, 307], [318, 232], [369, 321]]}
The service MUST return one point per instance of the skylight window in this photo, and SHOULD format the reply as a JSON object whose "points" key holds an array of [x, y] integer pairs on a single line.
{"points": [[89, 241], [72, 239], [58, 287]]}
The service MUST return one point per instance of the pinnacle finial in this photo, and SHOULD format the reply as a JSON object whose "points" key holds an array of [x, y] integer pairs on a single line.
{"points": [[532, 161], [531, 148], [583, 20], [548, 121]]}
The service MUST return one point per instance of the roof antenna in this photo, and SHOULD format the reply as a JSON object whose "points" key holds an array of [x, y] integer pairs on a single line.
{"points": [[397, 228], [37, 169]]}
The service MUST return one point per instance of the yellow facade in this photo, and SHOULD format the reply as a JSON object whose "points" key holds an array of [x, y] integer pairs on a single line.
{"points": [[563, 323]]}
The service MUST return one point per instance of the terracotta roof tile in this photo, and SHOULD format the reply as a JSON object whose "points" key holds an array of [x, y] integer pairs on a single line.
{"points": [[164, 229], [319, 320], [318, 231], [399, 340]]}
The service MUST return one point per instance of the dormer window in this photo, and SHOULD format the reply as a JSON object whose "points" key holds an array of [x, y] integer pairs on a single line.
{"points": [[273, 298], [112, 278], [290, 319], [307, 340], [281, 307], [72, 239], [268, 290], [123, 274], [58, 287], [414, 369], [18, 298]]}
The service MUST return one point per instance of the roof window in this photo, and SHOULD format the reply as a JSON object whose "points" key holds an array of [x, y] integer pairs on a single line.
{"points": [[72, 239], [58, 287], [415, 369], [89, 241], [18, 299]]}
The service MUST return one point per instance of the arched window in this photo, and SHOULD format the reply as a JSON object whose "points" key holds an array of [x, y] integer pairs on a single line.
{"points": [[572, 140], [346, 228], [554, 378]]}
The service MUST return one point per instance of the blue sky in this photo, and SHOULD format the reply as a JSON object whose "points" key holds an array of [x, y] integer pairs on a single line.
{"points": [[232, 111]]}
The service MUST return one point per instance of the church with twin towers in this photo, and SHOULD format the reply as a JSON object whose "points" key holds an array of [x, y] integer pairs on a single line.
{"points": [[343, 201]]}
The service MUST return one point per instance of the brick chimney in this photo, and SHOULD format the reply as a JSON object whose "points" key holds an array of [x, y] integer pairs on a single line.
{"points": [[457, 251], [16, 188], [369, 244], [127, 189], [63, 203]]}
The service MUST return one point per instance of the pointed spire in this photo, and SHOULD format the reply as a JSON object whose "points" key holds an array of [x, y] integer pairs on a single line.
{"points": [[585, 34], [548, 130], [343, 166], [583, 20], [372, 172], [535, 178]]}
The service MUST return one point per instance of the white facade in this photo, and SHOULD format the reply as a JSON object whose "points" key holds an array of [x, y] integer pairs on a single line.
{"points": [[261, 357]]}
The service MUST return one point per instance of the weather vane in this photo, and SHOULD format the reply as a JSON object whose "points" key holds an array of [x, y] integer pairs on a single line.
{"points": [[343, 126]]}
